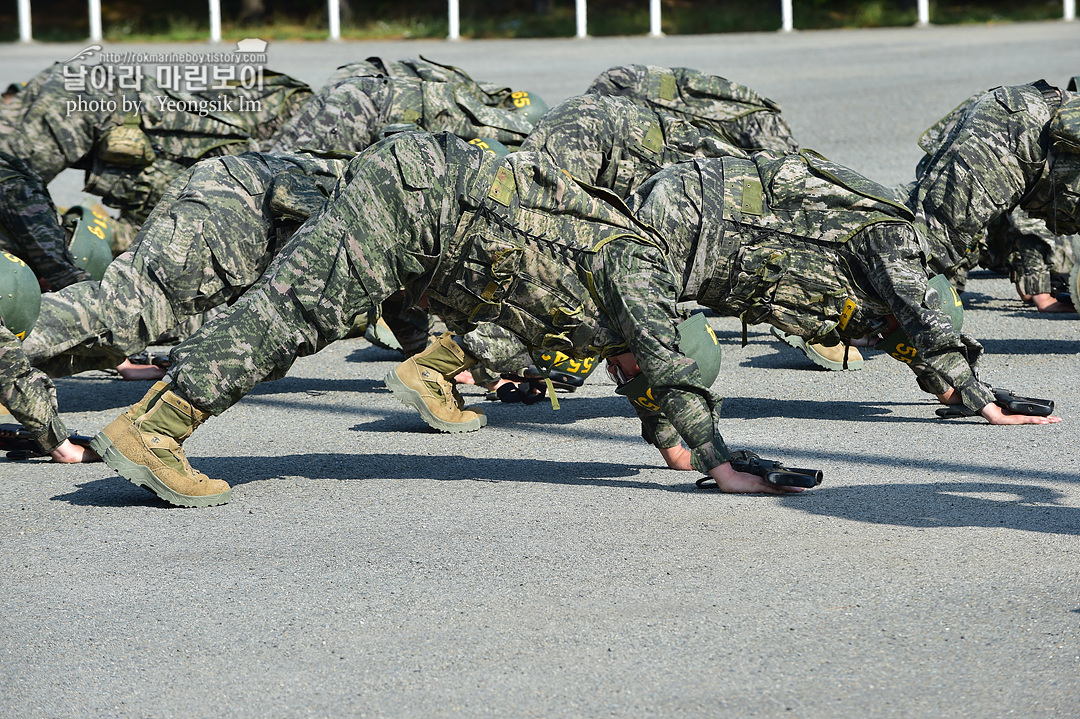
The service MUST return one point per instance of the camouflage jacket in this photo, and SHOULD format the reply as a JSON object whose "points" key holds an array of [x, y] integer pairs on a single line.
{"points": [[129, 158], [420, 68], [351, 114], [729, 109], [614, 143], [560, 265], [984, 159], [807, 246], [28, 394]]}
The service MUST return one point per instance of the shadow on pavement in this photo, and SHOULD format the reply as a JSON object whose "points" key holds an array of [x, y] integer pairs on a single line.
{"points": [[116, 491], [1028, 507]]}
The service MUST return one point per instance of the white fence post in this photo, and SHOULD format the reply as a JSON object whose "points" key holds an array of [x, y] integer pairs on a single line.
{"points": [[654, 19], [1070, 11], [787, 24], [25, 34], [215, 21], [334, 11], [95, 20], [579, 6], [455, 21], [924, 13]]}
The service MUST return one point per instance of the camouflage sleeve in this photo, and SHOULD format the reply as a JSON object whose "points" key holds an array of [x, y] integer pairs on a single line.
{"points": [[1035, 246], [29, 395], [29, 221], [890, 256], [344, 117], [578, 135], [656, 430], [933, 383], [639, 294], [982, 169]]}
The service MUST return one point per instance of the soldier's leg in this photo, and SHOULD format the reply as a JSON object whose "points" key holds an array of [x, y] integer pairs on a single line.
{"points": [[261, 336], [171, 273], [95, 325], [358, 249], [410, 324]]}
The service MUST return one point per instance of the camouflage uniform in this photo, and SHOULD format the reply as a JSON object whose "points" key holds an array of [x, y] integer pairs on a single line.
{"points": [[350, 114], [731, 110], [510, 241], [603, 141], [490, 94], [612, 142], [129, 159], [1022, 247], [29, 394], [209, 239], [809, 247], [984, 159]]}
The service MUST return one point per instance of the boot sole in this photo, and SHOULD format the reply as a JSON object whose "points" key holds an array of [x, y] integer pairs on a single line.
{"points": [[411, 398], [799, 344], [141, 476]]}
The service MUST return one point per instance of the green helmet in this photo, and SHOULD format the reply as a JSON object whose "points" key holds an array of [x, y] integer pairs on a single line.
{"points": [[1074, 83], [899, 346], [698, 342], [528, 104], [20, 295], [491, 145], [91, 237]]}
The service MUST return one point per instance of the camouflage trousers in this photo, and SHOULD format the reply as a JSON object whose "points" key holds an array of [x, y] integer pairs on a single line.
{"points": [[28, 394], [497, 350], [379, 232], [1028, 251], [205, 243], [29, 228]]}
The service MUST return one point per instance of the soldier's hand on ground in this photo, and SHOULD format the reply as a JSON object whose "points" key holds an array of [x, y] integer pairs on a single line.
{"points": [[997, 415], [1046, 302], [132, 372], [677, 457], [731, 481], [70, 453]]}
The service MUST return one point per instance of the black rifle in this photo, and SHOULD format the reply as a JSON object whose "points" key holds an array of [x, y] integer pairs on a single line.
{"points": [[15, 440], [769, 470], [1005, 399]]}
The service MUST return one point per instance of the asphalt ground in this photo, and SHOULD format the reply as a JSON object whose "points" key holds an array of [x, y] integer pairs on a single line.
{"points": [[547, 566]]}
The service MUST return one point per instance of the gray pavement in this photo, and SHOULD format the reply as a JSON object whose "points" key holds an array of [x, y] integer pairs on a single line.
{"points": [[546, 566]]}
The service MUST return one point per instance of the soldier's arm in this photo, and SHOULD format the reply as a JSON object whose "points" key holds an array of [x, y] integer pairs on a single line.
{"points": [[28, 394], [893, 263], [889, 255], [638, 293]]}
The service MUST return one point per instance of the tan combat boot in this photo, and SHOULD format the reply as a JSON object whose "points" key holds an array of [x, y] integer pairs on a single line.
{"points": [[143, 445], [831, 358], [425, 383]]}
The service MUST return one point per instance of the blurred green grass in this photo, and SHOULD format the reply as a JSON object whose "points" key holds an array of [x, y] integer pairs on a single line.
{"points": [[186, 20]]}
